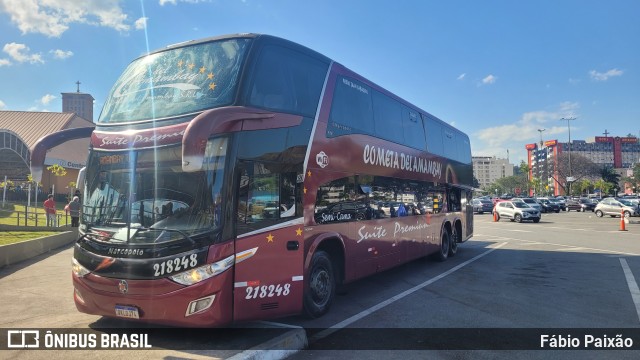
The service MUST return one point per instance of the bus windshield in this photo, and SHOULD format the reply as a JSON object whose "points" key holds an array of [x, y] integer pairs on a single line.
{"points": [[145, 197], [176, 82]]}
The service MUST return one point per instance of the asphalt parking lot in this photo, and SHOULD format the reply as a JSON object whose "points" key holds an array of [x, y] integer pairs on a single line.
{"points": [[570, 271]]}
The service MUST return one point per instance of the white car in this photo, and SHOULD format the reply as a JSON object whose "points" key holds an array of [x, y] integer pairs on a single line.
{"points": [[516, 211]]}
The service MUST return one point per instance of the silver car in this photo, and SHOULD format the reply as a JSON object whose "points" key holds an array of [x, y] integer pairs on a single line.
{"points": [[614, 207], [516, 211], [531, 202]]}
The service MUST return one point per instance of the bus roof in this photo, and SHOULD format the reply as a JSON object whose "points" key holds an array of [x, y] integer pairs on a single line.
{"points": [[264, 38]]}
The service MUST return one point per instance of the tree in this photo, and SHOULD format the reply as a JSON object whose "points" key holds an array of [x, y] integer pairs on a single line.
{"points": [[583, 186], [524, 167], [510, 183], [610, 176], [57, 170], [604, 186], [581, 167], [635, 181], [476, 183]]}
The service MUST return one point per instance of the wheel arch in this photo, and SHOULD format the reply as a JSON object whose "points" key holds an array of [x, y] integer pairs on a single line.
{"points": [[333, 244]]}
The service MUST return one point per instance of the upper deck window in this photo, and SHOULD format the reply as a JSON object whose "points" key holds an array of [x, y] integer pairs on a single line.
{"points": [[176, 82], [286, 80]]}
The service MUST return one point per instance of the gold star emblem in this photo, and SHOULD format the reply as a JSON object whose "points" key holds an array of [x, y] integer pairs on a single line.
{"points": [[212, 86], [309, 173], [298, 232], [270, 238], [191, 66], [210, 76], [180, 63], [304, 189], [202, 70]]}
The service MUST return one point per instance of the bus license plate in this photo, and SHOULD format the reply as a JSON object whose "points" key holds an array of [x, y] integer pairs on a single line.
{"points": [[127, 312]]}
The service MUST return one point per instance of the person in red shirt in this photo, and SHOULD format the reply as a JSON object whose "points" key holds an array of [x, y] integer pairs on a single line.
{"points": [[50, 209]]}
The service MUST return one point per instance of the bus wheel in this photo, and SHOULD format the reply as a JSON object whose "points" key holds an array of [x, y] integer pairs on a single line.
{"points": [[321, 287], [453, 243], [443, 254]]}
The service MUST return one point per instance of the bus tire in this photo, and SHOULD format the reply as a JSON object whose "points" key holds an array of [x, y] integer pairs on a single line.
{"points": [[453, 242], [321, 287], [445, 238]]}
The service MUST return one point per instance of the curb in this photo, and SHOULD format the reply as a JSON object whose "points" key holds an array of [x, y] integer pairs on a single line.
{"points": [[14, 253], [277, 348]]}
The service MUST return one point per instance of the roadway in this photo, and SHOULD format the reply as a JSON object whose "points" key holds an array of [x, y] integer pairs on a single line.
{"points": [[571, 274]]}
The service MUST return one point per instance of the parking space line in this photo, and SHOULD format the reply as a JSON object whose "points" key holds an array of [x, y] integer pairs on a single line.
{"points": [[369, 311], [572, 248], [533, 242], [633, 285]]}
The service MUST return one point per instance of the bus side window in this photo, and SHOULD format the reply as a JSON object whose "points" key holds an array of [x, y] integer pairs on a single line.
{"points": [[265, 197]]}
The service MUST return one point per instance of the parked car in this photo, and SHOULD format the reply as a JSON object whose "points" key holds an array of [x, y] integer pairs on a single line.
{"points": [[531, 202], [613, 208], [481, 206], [579, 205], [561, 201], [548, 206], [516, 211], [587, 204], [558, 202]]}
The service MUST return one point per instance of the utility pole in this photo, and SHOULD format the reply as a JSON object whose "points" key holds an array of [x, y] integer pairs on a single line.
{"points": [[569, 178]]}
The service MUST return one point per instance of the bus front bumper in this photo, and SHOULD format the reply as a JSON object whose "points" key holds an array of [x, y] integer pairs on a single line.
{"points": [[160, 301]]}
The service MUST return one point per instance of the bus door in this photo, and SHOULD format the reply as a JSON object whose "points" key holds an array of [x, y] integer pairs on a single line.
{"points": [[269, 243]]}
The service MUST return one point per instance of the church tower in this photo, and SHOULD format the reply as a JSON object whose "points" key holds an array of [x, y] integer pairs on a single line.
{"points": [[79, 103]]}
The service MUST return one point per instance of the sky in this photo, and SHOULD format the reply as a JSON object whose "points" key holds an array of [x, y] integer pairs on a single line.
{"points": [[499, 70]]}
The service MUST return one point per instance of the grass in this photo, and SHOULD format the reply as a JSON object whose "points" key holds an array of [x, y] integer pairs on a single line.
{"points": [[11, 213], [12, 237]]}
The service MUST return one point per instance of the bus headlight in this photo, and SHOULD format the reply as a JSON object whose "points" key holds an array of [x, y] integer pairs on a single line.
{"points": [[201, 273], [78, 269]]}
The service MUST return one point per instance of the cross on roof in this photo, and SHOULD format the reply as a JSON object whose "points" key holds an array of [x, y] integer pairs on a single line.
{"points": [[78, 83], [606, 133]]}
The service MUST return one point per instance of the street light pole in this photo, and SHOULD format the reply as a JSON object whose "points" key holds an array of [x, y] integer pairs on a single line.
{"points": [[569, 128]]}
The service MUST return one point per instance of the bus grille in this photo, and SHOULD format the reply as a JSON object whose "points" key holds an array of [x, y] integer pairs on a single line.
{"points": [[269, 306]]}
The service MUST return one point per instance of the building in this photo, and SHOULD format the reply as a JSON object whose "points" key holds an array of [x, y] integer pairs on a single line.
{"points": [[606, 151], [489, 169], [19, 132], [79, 103]]}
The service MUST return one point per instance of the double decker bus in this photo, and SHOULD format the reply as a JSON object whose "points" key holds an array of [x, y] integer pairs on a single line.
{"points": [[246, 177]]}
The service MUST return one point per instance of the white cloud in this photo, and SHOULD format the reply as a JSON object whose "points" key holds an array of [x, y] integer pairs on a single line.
{"points": [[490, 79], [598, 76], [2, 105], [175, 2], [141, 23], [461, 76], [496, 140], [5, 62], [20, 53], [53, 17], [61, 54], [47, 99]]}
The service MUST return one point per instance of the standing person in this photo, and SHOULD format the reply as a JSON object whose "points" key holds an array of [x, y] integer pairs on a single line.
{"points": [[50, 209], [74, 209]]}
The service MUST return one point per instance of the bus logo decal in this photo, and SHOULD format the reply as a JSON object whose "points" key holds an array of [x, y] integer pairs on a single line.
{"points": [[123, 286], [322, 159]]}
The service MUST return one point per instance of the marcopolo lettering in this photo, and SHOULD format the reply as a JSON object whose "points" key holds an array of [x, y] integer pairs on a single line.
{"points": [[125, 251]]}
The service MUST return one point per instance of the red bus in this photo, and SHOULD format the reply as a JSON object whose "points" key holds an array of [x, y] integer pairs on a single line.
{"points": [[246, 177]]}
